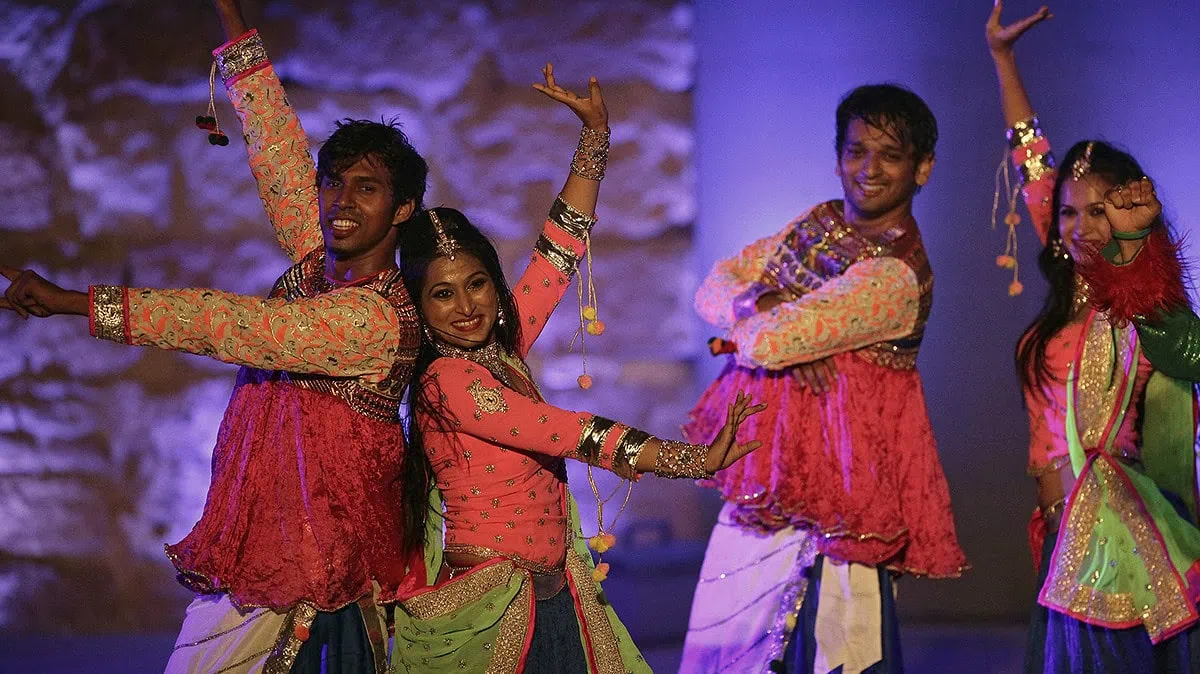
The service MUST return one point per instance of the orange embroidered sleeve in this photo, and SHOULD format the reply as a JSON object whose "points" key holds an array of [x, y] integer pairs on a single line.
{"points": [[1035, 171], [350, 332], [732, 277], [873, 301], [555, 260], [275, 142], [478, 404]]}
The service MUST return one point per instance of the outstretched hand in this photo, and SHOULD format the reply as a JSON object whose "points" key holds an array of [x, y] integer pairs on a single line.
{"points": [[29, 294], [589, 109], [1132, 207], [724, 450], [1000, 38]]}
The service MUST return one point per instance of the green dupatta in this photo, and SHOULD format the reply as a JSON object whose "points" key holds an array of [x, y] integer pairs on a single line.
{"points": [[482, 620], [1123, 553]]}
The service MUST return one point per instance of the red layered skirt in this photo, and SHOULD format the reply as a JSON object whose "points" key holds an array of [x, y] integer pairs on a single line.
{"points": [[304, 503], [857, 466]]}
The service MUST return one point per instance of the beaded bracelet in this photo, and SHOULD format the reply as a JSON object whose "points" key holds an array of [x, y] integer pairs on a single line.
{"points": [[680, 459], [591, 154]]}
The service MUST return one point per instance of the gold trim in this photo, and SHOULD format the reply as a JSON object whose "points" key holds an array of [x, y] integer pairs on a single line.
{"points": [[241, 56], [288, 644], [602, 639], [108, 313], [563, 259], [489, 553], [514, 626], [590, 448], [460, 592], [574, 222]]}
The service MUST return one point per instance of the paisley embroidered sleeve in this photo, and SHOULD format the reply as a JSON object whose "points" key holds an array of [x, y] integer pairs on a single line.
{"points": [[351, 332], [1035, 171], [277, 145], [873, 301], [555, 259], [474, 402], [733, 282]]}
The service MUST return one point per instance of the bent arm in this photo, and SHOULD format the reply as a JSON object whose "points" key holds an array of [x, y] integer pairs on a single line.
{"points": [[873, 301], [731, 288]]}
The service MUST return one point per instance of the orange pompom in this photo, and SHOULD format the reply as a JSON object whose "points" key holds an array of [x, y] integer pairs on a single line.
{"points": [[589, 312], [600, 573], [585, 381], [301, 632], [595, 328], [1012, 219], [602, 543], [1006, 261], [1015, 288]]}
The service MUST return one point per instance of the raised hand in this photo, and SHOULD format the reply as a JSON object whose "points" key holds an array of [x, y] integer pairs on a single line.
{"points": [[1132, 207], [1000, 38], [724, 450], [31, 295], [590, 109]]}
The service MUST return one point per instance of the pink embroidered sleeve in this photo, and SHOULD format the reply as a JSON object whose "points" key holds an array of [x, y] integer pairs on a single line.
{"points": [[873, 301], [731, 278], [275, 142], [350, 332], [555, 259], [478, 404], [1046, 453], [1035, 171]]}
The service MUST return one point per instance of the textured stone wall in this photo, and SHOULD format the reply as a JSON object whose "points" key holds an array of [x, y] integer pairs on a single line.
{"points": [[104, 450]]}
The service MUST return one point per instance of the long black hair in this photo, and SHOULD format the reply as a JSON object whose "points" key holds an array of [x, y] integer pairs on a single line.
{"points": [[418, 249], [1114, 166]]}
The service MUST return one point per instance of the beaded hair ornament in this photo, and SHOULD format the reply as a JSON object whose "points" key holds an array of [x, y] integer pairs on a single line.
{"points": [[446, 246], [1083, 165]]}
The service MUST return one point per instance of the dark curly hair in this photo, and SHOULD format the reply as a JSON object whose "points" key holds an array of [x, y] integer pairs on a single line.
{"points": [[355, 139], [893, 109], [418, 249]]}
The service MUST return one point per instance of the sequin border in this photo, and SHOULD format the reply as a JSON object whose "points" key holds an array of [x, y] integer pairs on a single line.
{"points": [[109, 320], [601, 639]]}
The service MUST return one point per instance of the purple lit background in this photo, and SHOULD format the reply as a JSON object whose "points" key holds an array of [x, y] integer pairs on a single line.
{"points": [[723, 127]]}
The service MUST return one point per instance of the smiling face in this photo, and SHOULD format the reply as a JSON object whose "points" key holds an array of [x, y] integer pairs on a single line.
{"points": [[459, 301], [357, 215], [1081, 218], [879, 175]]}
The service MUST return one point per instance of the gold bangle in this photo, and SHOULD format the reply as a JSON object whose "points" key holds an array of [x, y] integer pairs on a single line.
{"points": [[591, 154]]}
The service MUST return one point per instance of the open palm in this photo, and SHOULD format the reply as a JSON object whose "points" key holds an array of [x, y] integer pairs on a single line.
{"points": [[590, 109]]}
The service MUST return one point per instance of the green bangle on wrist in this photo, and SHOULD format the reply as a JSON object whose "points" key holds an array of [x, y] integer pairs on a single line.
{"points": [[1132, 236]]}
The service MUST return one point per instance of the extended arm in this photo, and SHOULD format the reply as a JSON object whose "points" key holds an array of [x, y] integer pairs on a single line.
{"points": [[345, 333], [478, 404]]}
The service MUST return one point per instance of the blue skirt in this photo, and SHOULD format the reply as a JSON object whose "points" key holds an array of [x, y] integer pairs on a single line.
{"points": [[1059, 643], [556, 647], [337, 644], [801, 648]]}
